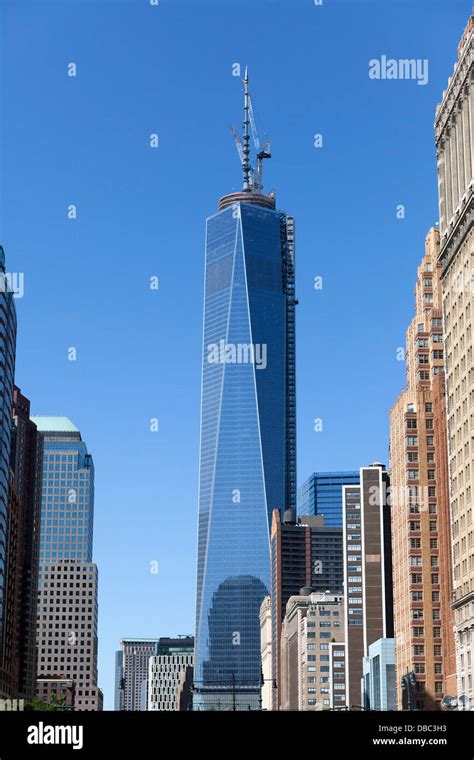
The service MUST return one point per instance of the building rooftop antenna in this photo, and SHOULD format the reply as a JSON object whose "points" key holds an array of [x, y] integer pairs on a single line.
{"points": [[246, 139]]}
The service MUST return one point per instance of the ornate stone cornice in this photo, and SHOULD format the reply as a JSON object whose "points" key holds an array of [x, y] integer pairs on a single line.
{"points": [[462, 601], [456, 234], [461, 80]]}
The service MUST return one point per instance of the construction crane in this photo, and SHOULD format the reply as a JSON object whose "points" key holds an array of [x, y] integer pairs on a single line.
{"points": [[253, 179], [261, 152], [238, 143]]}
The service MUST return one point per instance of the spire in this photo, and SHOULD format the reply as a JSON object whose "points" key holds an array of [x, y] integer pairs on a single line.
{"points": [[246, 138]]}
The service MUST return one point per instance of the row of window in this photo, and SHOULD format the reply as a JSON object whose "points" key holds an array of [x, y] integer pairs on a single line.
{"points": [[419, 650]]}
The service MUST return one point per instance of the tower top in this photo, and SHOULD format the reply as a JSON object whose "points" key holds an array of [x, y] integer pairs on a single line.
{"points": [[252, 178], [246, 147]]}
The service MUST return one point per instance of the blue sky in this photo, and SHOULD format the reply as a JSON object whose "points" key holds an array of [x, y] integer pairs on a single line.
{"points": [[141, 213]]}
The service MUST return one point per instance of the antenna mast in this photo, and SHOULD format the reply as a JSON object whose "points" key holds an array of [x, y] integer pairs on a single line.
{"points": [[246, 147]]}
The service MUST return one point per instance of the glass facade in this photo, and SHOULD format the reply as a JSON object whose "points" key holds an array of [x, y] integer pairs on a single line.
{"points": [[7, 371], [67, 508], [379, 680], [321, 494], [247, 444]]}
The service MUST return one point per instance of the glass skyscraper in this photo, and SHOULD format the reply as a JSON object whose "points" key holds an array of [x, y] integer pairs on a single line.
{"points": [[321, 494], [247, 459], [7, 371], [67, 636], [67, 511]]}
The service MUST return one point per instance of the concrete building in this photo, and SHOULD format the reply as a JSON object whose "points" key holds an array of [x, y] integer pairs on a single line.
{"points": [[326, 554], [303, 553], [290, 546], [379, 681], [169, 671], [310, 677], [454, 137], [67, 619], [419, 497], [67, 629], [266, 654], [131, 670], [184, 696], [368, 599]]}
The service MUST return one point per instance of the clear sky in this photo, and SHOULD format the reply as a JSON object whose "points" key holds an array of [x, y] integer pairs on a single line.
{"points": [[141, 212]]}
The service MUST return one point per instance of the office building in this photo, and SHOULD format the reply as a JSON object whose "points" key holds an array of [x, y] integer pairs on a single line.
{"points": [[321, 494], [67, 619], [248, 438], [326, 554], [312, 653], [368, 600], [379, 682], [131, 670], [9, 665], [454, 137], [290, 570], [303, 553], [26, 462], [420, 493], [170, 675], [67, 629], [119, 682]]}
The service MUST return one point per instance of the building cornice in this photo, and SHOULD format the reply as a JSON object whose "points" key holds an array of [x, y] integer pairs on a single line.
{"points": [[461, 79], [457, 233]]}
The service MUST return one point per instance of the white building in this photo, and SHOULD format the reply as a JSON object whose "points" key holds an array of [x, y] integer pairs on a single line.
{"points": [[266, 652], [167, 672]]}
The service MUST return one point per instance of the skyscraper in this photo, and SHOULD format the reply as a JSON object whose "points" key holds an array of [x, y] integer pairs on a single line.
{"points": [[68, 579], [419, 491], [26, 491], [454, 136], [8, 660], [248, 456], [131, 670], [368, 599], [321, 494]]}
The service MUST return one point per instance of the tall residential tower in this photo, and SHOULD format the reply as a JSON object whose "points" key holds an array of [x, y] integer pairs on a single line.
{"points": [[248, 438]]}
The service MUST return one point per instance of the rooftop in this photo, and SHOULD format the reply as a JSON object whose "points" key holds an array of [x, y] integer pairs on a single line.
{"points": [[54, 424]]}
